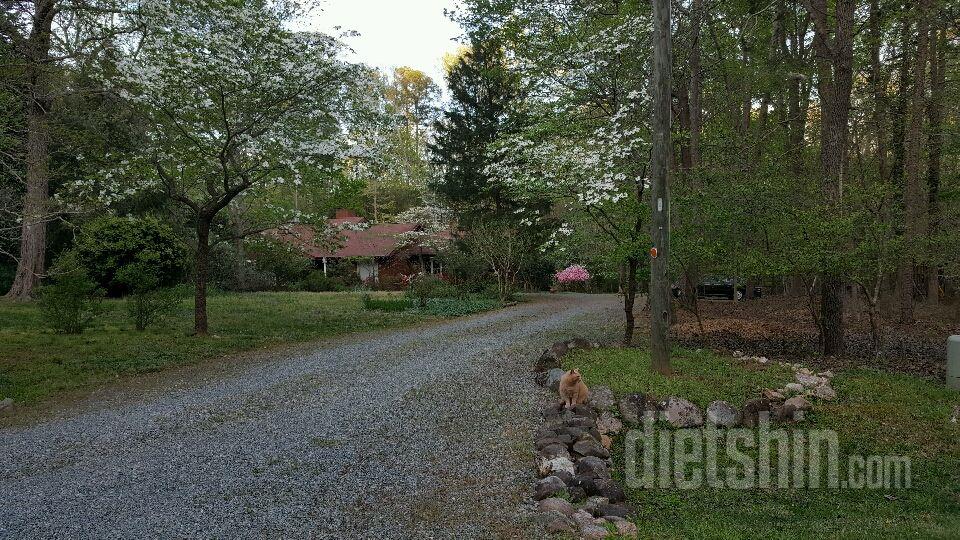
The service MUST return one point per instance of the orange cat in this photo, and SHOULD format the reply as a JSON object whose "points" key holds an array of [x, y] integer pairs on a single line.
{"points": [[572, 390]]}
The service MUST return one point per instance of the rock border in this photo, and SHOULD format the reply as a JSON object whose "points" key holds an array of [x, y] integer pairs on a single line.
{"points": [[575, 491]]}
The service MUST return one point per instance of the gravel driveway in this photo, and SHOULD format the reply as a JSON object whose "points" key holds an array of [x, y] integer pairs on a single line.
{"points": [[423, 432]]}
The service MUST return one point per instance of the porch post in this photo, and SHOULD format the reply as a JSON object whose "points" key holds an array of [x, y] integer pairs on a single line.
{"points": [[324, 266]]}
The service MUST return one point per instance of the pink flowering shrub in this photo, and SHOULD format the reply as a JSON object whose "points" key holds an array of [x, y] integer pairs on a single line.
{"points": [[574, 273]]}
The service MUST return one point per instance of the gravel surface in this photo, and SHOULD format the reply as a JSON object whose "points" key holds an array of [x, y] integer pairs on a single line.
{"points": [[423, 432]]}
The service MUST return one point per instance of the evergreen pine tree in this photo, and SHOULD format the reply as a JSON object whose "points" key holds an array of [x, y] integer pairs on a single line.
{"points": [[483, 108]]}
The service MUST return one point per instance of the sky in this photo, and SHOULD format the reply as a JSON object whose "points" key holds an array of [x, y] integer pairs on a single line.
{"points": [[393, 33]]}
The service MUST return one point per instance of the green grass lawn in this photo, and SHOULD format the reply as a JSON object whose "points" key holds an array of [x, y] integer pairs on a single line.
{"points": [[36, 363], [876, 414]]}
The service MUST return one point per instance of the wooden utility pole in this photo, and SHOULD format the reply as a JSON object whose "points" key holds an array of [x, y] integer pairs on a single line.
{"points": [[659, 193]]}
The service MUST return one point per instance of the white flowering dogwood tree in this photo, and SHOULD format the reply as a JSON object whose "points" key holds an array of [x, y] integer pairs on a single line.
{"points": [[587, 145], [231, 100]]}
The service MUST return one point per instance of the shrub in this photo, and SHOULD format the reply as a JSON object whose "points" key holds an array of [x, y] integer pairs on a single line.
{"points": [[574, 273], [230, 271], [73, 300], [390, 303], [492, 292], [7, 272], [288, 264], [425, 286], [108, 244], [316, 281], [148, 303], [467, 270]]}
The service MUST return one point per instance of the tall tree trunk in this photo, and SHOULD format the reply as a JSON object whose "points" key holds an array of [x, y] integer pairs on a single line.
{"points": [[878, 85], [833, 48], [938, 73], [696, 83], [898, 112], [915, 204], [201, 270], [683, 118], [795, 128], [659, 193], [629, 300], [35, 214], [798, 92]]}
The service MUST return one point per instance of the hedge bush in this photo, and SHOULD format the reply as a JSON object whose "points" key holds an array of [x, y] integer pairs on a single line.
{"points": [[73, 300], [288, 264], [107, 244]]}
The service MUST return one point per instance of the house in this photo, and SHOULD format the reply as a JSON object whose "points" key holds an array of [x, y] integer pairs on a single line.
{"points": [[381, 252]]}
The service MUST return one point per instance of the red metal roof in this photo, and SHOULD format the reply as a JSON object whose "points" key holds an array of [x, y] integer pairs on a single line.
{"points": [[374, 241]]}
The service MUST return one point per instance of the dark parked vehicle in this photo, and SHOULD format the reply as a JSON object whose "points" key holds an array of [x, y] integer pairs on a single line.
{"points": [[720, 287]]}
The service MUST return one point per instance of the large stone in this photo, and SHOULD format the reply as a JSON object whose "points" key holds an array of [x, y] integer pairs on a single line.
{"points": [[582, 517], [583, 483], [583, 411], [592, 505], [556, 504], [546, 362], [793, 388], [792, 410], [553, 379], [607, 509], [772, 395], [572, 433], [577, 493], [553, 412], [602, 398], [722, 414], [549, 466], [548, 441], [7, 403], [566, 476], [810, 381], [590, 447], [825, 392], [625, 528], [608, 424], [798, 403], [565, 438], [548, 487], [547, 430], [633, 406], [606, 441], [556, 523], [956, 415], [580, 422], [754, 410], [593, 467], [606, 487], [594, 532], [554, 451], [682, 413]]}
